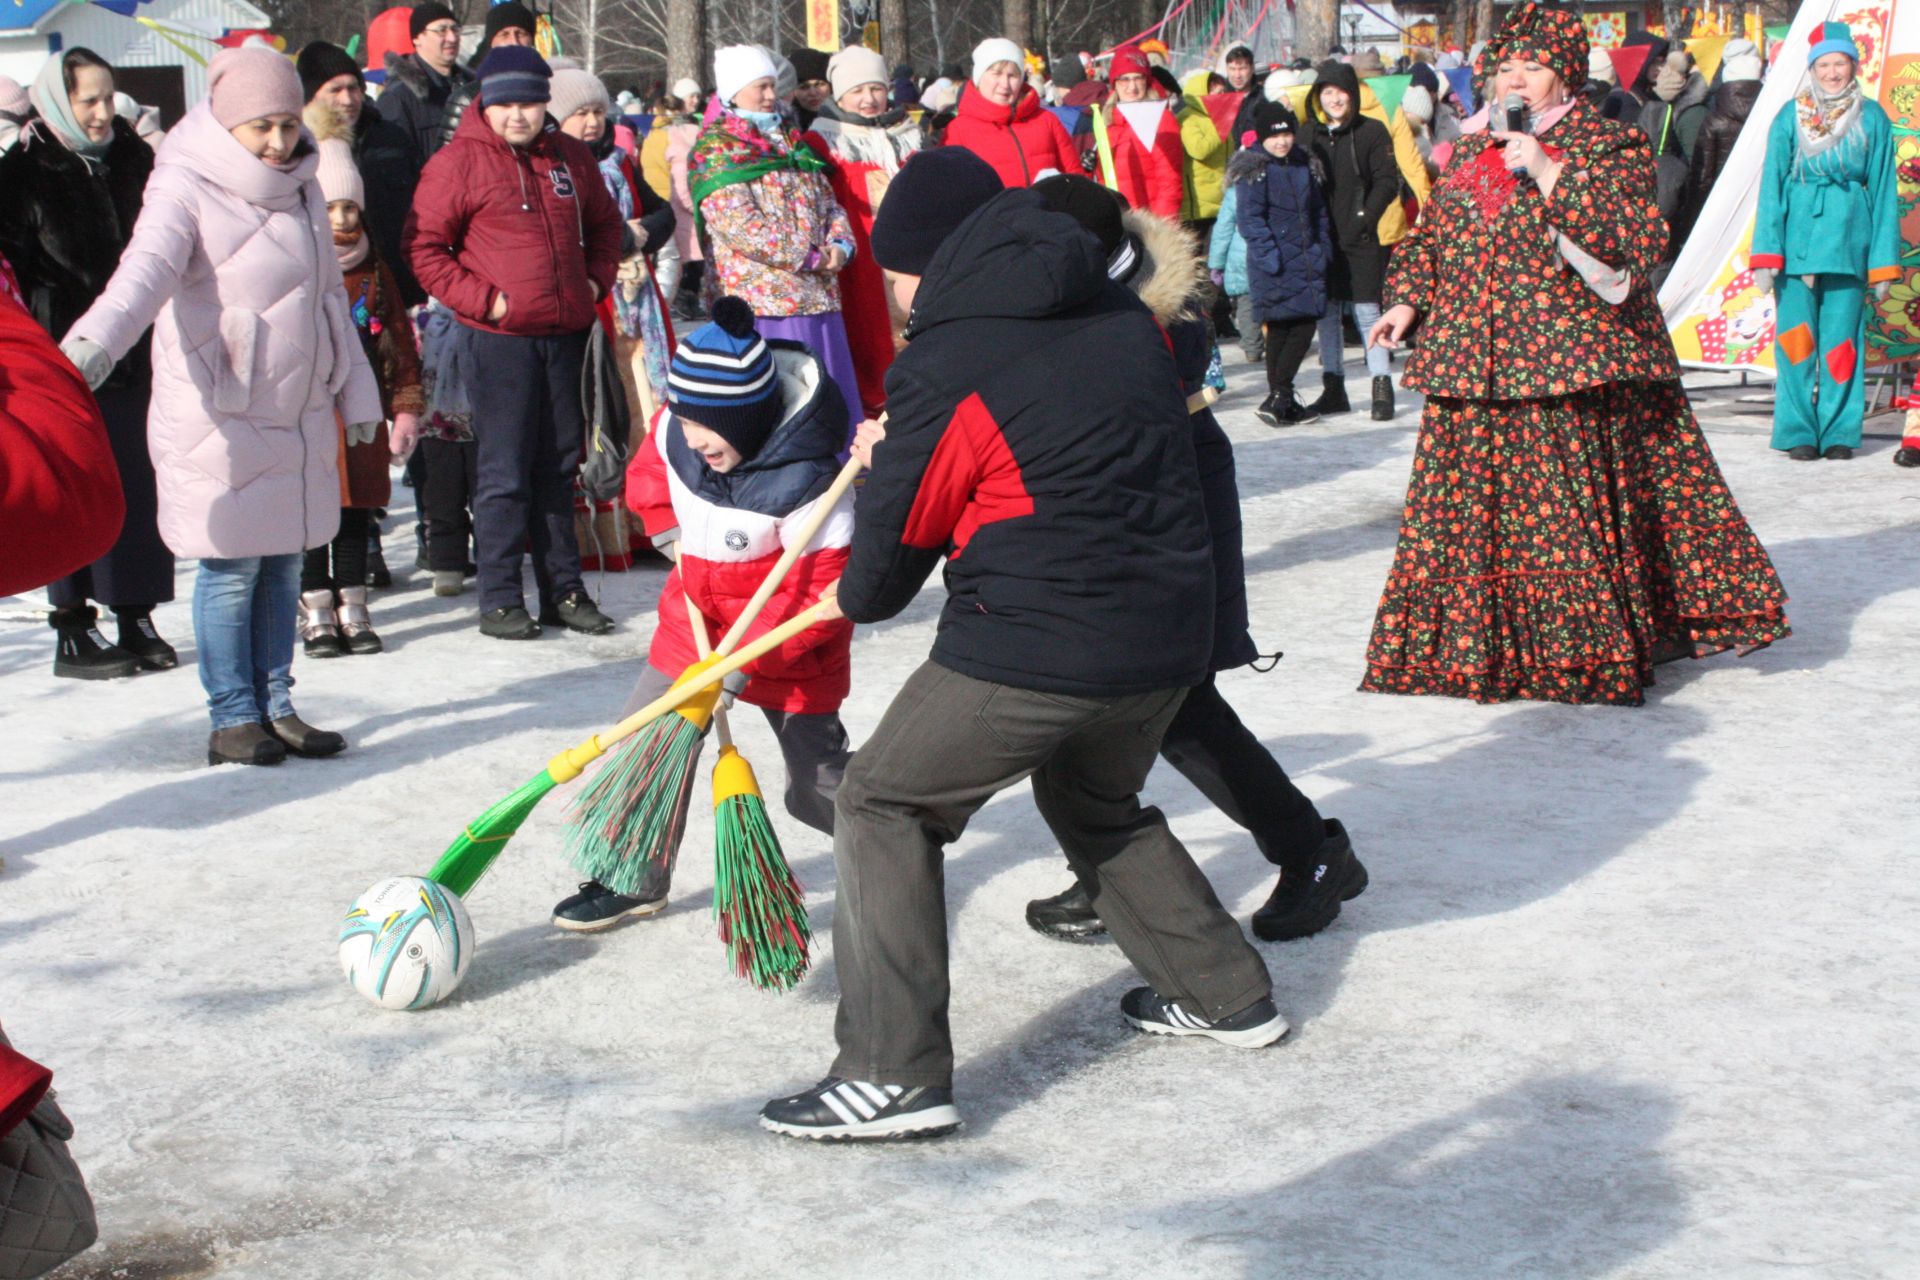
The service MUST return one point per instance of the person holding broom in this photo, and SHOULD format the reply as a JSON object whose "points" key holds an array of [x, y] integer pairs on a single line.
{"points": [[736, 463], [1038, 440]]}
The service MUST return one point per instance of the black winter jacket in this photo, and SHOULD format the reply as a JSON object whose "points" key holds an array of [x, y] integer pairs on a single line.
{"points": [[426, 104], [1732, 104], [1362, 181], [389, 165], [64, 223], [1038, 439]]}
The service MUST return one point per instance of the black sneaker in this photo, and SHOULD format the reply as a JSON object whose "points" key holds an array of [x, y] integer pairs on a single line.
{"points": [[1268, 410], [597, 907], [837, 1110], [1254, 1027], [577, 612], [1302, 906], [510, 622], [82, 653], [1068, 917], [138, 637], [1293, 414]]}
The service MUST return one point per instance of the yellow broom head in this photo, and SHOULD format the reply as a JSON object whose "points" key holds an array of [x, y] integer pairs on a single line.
{"points": [[699, 710], [733, 776]]}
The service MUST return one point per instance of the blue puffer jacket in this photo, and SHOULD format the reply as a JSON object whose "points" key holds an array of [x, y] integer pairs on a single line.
{"points": [[1227, 248], [1283, 216]]}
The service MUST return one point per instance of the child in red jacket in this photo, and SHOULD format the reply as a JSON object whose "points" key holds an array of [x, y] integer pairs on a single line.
{"points": [[748, 442]]}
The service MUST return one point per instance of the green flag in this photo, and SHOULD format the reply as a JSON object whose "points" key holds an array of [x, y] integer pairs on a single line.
{"points": [[1389, 89]]}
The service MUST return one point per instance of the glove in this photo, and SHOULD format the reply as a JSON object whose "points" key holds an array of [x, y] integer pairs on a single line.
{"points": [[1763, 278], [90, 358], [361, 432], [732, 687], [1219, 279], [1881, 290]]}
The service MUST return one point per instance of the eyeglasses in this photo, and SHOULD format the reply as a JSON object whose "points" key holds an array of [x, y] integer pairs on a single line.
{"points": [[440, 29]]}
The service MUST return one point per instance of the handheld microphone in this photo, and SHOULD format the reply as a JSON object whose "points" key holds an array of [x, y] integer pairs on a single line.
{"points": [[1515, 108]]}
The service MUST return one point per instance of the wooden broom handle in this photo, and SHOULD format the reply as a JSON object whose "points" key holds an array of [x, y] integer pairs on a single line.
{"points": [[822, 509], [711, 676], [704, 646]]}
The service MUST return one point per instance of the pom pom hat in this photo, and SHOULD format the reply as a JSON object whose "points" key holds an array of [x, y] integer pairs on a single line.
{"points": [[722, 378]]}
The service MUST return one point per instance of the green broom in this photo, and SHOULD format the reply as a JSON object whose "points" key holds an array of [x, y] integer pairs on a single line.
{"points": [[634, 814], [475, 848], [757, 903]]}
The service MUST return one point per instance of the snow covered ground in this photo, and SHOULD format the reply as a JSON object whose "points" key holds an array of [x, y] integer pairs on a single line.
{"points": [[1633, 992]]}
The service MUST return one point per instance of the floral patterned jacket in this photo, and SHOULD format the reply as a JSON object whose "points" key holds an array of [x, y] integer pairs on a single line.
{"points": [[766, 239], [1502, 314]]}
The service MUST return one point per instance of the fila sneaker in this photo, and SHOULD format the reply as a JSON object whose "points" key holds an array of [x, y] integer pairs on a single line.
{"points": [[1302, 906]]}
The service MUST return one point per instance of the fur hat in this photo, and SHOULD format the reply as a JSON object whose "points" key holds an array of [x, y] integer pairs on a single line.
{"points": [[250, 82]]}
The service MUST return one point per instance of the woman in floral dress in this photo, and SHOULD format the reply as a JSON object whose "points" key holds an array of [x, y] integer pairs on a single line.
{"points": [[1566, 526]]}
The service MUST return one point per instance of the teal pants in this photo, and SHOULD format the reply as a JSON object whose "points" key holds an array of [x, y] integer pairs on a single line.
{"points": [[1820, 359]]}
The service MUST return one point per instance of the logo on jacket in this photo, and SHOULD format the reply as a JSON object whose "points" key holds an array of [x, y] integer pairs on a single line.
{"points": [[736, 540], [562, 182]]}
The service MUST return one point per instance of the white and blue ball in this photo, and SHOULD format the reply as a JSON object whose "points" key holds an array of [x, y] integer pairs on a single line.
{"points": [[406, 943]]}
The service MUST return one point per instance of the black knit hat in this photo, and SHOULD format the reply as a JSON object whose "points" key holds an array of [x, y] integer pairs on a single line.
{"points": [[502, 16], [1271, 117], [320, 62], [934, 193], [425, 15], [1089, 204], [808, 64]]}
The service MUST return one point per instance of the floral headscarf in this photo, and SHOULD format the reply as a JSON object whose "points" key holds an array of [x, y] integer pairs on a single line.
{"points": [[1553, 37]]}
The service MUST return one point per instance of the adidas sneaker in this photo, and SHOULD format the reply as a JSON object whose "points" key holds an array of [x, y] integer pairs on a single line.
{"points": [[837, 1110], [1257, 1025]]}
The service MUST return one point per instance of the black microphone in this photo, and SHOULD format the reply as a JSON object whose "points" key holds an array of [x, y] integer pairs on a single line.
{"points": [[1515, 107]]}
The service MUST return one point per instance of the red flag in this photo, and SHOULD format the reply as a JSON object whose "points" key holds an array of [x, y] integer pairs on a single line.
{"points": [[1628, 62], [1221, 109]]}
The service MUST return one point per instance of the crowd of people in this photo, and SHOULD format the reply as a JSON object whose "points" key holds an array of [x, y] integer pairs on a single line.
{"points": [[1004, 290]]}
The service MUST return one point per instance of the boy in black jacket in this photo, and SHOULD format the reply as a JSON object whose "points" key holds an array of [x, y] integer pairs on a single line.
{"points": [[1038, 440]]}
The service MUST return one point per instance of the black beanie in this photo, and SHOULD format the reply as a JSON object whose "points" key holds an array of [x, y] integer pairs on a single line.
{"points": [[1270, 118], [808, 64], [1087, 203], [933, 194], [320, 62], [502, 16], [425, 15]]}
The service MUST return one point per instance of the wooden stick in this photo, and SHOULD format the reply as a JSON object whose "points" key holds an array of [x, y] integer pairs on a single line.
{"points": [[822, 509], [698, 621], [1201, 399]]}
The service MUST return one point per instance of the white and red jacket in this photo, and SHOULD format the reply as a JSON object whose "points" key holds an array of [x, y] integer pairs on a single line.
{"points": [[734, 527]]}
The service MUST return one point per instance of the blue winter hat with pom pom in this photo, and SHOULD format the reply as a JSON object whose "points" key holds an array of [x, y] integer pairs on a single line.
{"points": [[1835, 37], [722, 378]]}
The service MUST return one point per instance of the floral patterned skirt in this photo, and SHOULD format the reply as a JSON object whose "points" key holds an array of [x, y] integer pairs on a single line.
{"points": [[1556, 549]]}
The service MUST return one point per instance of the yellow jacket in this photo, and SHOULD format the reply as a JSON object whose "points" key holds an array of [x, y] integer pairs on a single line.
{"points": [[654, 169], [1207, 154]]}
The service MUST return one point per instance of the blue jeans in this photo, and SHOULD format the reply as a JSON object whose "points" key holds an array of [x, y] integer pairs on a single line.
{"points": [[1333, 355], [244, 620]]}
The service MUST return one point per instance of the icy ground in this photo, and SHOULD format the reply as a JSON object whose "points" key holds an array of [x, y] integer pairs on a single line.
{"points": [[1632, 994]]}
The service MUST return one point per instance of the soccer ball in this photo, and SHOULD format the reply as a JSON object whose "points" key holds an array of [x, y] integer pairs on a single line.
{"points": [[406, 943]]}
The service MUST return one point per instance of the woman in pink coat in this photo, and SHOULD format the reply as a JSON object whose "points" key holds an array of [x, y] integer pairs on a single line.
{"points": [[232, 263]]}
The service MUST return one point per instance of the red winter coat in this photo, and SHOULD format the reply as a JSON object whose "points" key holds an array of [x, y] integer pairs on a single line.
{"points": [[535, 223], [1151, 178], [60, 501], [1021, 142], [725, 550]]}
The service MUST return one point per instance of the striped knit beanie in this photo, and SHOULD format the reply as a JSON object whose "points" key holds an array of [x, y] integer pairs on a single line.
{"points": [[722, 378], [514, 73]]}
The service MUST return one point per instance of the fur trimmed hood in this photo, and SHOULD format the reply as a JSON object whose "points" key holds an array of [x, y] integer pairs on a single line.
{"points": [[1172, 273]]}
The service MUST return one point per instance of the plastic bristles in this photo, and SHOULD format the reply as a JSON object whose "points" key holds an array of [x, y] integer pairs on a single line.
{"points": [[757, 903], [633, 814], [474, 849]]}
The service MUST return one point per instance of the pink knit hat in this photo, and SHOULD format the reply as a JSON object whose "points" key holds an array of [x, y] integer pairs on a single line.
{"points": [[250, 82], [338, 176]]}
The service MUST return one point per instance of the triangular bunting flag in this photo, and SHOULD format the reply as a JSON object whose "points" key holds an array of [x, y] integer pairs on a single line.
{"points": [[1389, 89]]}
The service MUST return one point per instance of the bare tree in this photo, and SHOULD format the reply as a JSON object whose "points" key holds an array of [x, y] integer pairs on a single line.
{"points": [[1316, 28], [894, 45], [1016, 21], [686, 39]]}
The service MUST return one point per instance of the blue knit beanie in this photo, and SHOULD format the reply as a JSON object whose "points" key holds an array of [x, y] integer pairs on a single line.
{"points": [[514, 73], [1835, 37], [722, 378]]}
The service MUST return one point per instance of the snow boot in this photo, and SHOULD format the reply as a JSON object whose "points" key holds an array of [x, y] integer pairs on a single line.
{"points": [[1301, 906], [319, 627], [303, 739], [1333, 396], [1906, 456], [378, 575], [1268, 410], [449, 582], [597, 907], [838, 1110], [138, 638], [82, 653], [356, 624], [1804, 453], [245, 744], [1383, 399], [1838, 453], [1254, 1027], [1293, 414], [1067, 917], [509, 622]]}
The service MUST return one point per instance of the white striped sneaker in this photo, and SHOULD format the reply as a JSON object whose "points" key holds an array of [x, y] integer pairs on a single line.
{"points": [[1255, 1026], [854, 1111]]}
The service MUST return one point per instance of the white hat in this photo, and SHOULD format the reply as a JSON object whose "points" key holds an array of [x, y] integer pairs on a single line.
{"points": [[1417, 104], [854, 66], [997, 49], [1741, 61], [1600, 66], [739, 65], [685, 87]]}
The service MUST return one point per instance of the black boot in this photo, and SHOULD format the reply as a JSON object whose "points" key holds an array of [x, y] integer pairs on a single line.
{"points": [[303, 739], [1067, 916], [1333, 396], [1906, 456], [138, 638], [1383, 399], [1293, 414], [245, 744], [83, 653], [1268, 410], [378, 575]]}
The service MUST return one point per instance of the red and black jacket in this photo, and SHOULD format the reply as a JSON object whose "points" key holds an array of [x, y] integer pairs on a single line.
{"points": [[1037, 438]]}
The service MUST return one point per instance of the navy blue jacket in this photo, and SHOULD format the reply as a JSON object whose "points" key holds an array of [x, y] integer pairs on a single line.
{"points": [[1283, 218]]}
